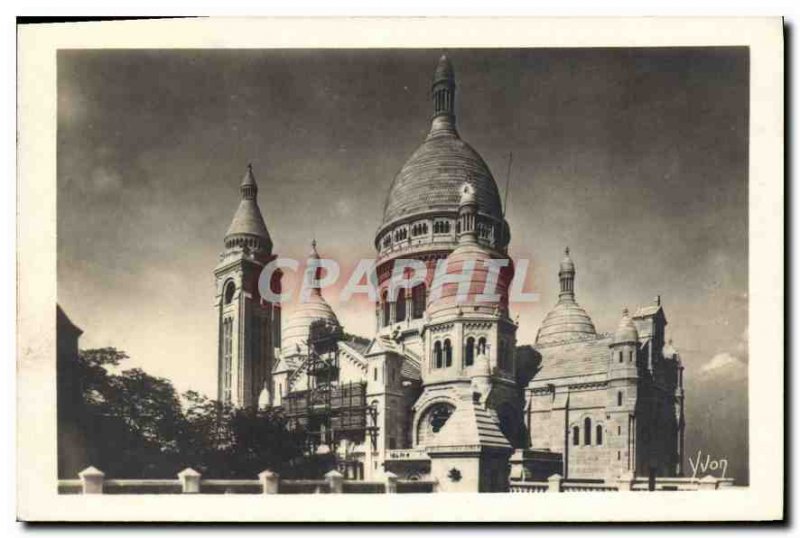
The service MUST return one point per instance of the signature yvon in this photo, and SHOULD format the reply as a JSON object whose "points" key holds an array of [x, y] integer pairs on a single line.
{"points": [[708, 465]]}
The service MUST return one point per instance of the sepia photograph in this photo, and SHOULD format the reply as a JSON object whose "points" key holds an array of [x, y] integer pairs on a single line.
{"points": [[418, 269]]}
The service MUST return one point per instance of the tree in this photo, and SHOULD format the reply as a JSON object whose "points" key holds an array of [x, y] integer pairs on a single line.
{"points": [[134, 425], [225, 442]]}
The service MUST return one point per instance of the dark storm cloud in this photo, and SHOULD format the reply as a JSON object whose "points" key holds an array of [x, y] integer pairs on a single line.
{"points": [[635, 158]]}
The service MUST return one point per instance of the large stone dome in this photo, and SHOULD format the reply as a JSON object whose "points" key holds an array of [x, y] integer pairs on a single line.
{"points": [[431, 180]]}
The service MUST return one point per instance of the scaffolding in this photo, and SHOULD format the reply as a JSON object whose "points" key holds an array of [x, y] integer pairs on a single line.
{"points": [[329, 411]]}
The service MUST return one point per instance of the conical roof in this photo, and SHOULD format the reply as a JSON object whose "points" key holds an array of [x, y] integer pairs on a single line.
{"points": [[248, 219]]}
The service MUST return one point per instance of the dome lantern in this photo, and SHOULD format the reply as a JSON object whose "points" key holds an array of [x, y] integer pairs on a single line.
{"points": [[443, 92]]}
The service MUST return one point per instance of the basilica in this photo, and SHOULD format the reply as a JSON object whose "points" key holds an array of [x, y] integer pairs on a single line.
{"points": [[443, 390]]}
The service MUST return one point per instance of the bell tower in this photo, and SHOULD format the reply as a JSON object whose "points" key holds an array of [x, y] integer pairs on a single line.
{"points": [[248, 326]]}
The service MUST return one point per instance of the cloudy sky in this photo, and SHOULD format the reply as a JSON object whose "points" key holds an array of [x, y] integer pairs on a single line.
{"points": [[635, 158]]}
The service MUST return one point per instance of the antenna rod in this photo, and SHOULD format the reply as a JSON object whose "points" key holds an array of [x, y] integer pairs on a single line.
{"points": [[508, 182]]}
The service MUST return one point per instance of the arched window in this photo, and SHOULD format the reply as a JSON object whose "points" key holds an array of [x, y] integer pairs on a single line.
{"points": [[469, 352], [598, 436], [587, 431], [230, 289], [432, 421], [400, 306], [620, 356], [630, 356], [386, 309], [437, 355], [576, 436], [418, 301], [448, 354], [227, 358], [619, 398], [481, 346]]}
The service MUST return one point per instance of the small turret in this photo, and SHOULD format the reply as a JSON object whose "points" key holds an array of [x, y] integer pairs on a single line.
{"points": [[625, 343], [467, 211]]}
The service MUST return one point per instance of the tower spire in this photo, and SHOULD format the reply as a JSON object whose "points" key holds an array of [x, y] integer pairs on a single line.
{"points": [[443, 93], [313, 272], [247, 227], [249, 188]]}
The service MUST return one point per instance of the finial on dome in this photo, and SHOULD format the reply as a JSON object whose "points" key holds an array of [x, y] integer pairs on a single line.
{"points": [[249, 188], [626, 332], [444, 70], [566, 251]]}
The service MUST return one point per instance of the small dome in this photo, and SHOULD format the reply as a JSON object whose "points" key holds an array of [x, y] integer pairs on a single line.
{"points": [[314, 309], [626, 331], [470, 253], [566, 322], [468, 195]]}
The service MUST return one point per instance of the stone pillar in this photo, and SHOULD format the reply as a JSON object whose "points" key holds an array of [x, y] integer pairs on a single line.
{"points": [[625, 481], [92, 480], [516, 463], [391, 482], [554, 483], [190, 480], [335, 481], [269, 482]]}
